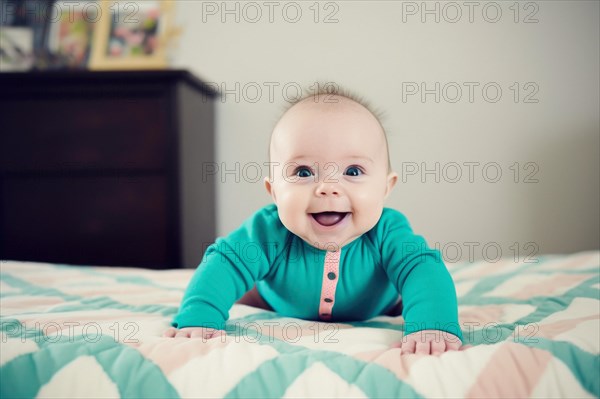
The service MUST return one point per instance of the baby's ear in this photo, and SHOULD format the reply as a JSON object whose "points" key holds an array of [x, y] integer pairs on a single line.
{"points": [[392, 179], [269, 187]]}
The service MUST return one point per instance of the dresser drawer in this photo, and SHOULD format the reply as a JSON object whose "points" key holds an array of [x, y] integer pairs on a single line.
{"points": [[86, 133], [112, 220]]}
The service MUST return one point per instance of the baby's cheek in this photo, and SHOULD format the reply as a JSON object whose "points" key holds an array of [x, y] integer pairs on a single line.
{"points": [[291, 212], [368, 202], [291, 199], [368, 213]]}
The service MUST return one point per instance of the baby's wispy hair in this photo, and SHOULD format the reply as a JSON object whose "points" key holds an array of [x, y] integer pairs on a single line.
{"points": [[329, 93]]}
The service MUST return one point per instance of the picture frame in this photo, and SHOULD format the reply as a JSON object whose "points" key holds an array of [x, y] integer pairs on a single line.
{"points": [[70, 35], [24, 31], [132, 35], [16, 49]]}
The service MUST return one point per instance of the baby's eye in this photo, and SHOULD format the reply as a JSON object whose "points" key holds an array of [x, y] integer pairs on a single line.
{"points": [[353, 171], [303, 171]]}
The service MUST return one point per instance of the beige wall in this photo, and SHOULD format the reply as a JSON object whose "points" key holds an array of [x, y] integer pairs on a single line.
{"points": [[381, 50]]}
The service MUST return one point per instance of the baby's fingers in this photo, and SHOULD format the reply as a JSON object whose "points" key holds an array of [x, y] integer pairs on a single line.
{"points": [[203, 333], [438, 346], [193, 332], [184, 333], [453, 345], [218, 333], [407, 346], [423, 348], [170, 333], [206, 333]]}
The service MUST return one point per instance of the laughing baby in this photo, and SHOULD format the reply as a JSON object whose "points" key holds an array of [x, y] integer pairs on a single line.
{"points": [[327, 249]]}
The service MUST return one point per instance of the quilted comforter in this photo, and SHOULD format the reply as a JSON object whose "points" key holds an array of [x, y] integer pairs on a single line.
{"points": [[531, 330]]}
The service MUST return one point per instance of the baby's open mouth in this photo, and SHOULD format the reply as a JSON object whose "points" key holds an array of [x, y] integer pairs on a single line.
{"points": [[328, 218]]}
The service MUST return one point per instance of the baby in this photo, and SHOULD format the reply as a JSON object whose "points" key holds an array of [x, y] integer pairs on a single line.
{"points": [[326, 249]]}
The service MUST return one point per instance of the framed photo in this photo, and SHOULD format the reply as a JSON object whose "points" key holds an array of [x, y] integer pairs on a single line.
{"points": [[23, 33], [132, 35], [71, 31], [16, 49]]}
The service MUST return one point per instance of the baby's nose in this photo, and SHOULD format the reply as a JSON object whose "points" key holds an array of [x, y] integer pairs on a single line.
{"points": [[327, 189]]}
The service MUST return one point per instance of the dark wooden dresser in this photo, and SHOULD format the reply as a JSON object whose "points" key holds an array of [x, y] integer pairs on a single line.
{"points": [[105, 168]]}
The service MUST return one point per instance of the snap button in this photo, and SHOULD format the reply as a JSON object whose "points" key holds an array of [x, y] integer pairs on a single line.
{"points": [[328, 300], [331, 275]]}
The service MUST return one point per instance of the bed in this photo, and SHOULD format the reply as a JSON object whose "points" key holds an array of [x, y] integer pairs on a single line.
{"points": [[531, 329]]}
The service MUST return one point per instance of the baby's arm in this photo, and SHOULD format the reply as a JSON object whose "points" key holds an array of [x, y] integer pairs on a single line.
{"points": [[215, 286], [430, 309], [224, 275], [429, 302]]}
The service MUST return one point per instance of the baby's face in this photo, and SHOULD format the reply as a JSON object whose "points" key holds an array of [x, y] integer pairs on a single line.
{"points": [[330, 175]]}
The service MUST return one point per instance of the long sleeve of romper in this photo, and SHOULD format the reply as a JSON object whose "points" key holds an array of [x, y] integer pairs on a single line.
{"points": [[427, 290], [228, 270]]}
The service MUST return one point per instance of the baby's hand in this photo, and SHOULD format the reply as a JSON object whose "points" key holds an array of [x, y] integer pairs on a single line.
{"points": [[428, 342], [193, 332]]}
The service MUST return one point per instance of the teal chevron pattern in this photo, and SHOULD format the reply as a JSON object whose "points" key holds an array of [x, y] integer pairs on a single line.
{"points": [[531, 329]]}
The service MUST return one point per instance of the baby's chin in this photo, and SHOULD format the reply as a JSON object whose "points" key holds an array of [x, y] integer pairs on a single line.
{"points": [[325, 242], [333, 244]]}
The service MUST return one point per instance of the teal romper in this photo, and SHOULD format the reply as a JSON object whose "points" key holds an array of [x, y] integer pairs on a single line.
{"points": [[358, 281]]}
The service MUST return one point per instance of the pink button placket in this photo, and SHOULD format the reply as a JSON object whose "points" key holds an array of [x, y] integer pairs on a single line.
{"points": [[331, 272]]}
